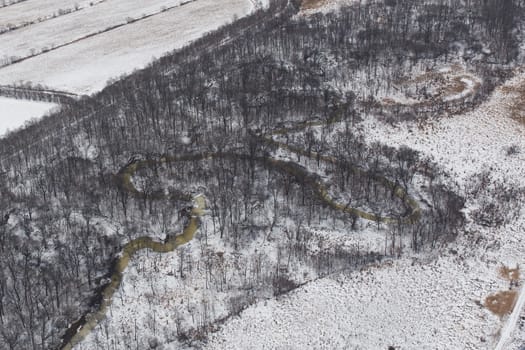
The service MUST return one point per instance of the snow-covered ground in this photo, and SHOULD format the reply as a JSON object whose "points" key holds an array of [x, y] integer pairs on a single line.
{"points": [[466, 144], [408, 305], [413, 303], [15, 113], [85, 66], [154, 300], [30, 11], [517, 336], [65, 29], [430, 300], [513, 323]]}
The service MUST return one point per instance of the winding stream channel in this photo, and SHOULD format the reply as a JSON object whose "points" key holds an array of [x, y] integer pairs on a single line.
{"points": [[81, 329], [91, 321]]}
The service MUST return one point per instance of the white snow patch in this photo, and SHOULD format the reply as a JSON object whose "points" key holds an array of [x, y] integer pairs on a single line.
{"points": [[468, 90], [15, 113], [185, 140]]}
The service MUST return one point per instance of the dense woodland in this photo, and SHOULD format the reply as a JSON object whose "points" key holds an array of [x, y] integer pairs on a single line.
{"points": [[65, 212]]}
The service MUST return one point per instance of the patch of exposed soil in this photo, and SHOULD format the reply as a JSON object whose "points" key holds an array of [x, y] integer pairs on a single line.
{"points": [[512, 275], [517, 107], [501, 303], [312, 4], [455, 86]]}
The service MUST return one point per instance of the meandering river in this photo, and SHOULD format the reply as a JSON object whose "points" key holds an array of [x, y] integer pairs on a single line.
{"points": [[80, 329]]}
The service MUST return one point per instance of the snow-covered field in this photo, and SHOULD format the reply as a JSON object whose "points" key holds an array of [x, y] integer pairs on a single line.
{"points": [[85, 66], [14, 113], [30, 11], [408, 305], [517, 335], [67, 28]]}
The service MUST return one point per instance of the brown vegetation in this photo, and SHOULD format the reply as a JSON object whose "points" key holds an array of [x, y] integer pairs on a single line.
{"points": [[517, 106], [501, 303], [312, 4], [512, 275], [440, 85]]}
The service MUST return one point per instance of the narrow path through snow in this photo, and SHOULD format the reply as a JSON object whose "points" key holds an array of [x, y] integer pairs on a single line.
{"points": [[508, 329]]}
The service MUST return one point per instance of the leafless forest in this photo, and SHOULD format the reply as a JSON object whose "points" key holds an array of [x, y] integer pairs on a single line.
{"points": [[238, 95]]}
